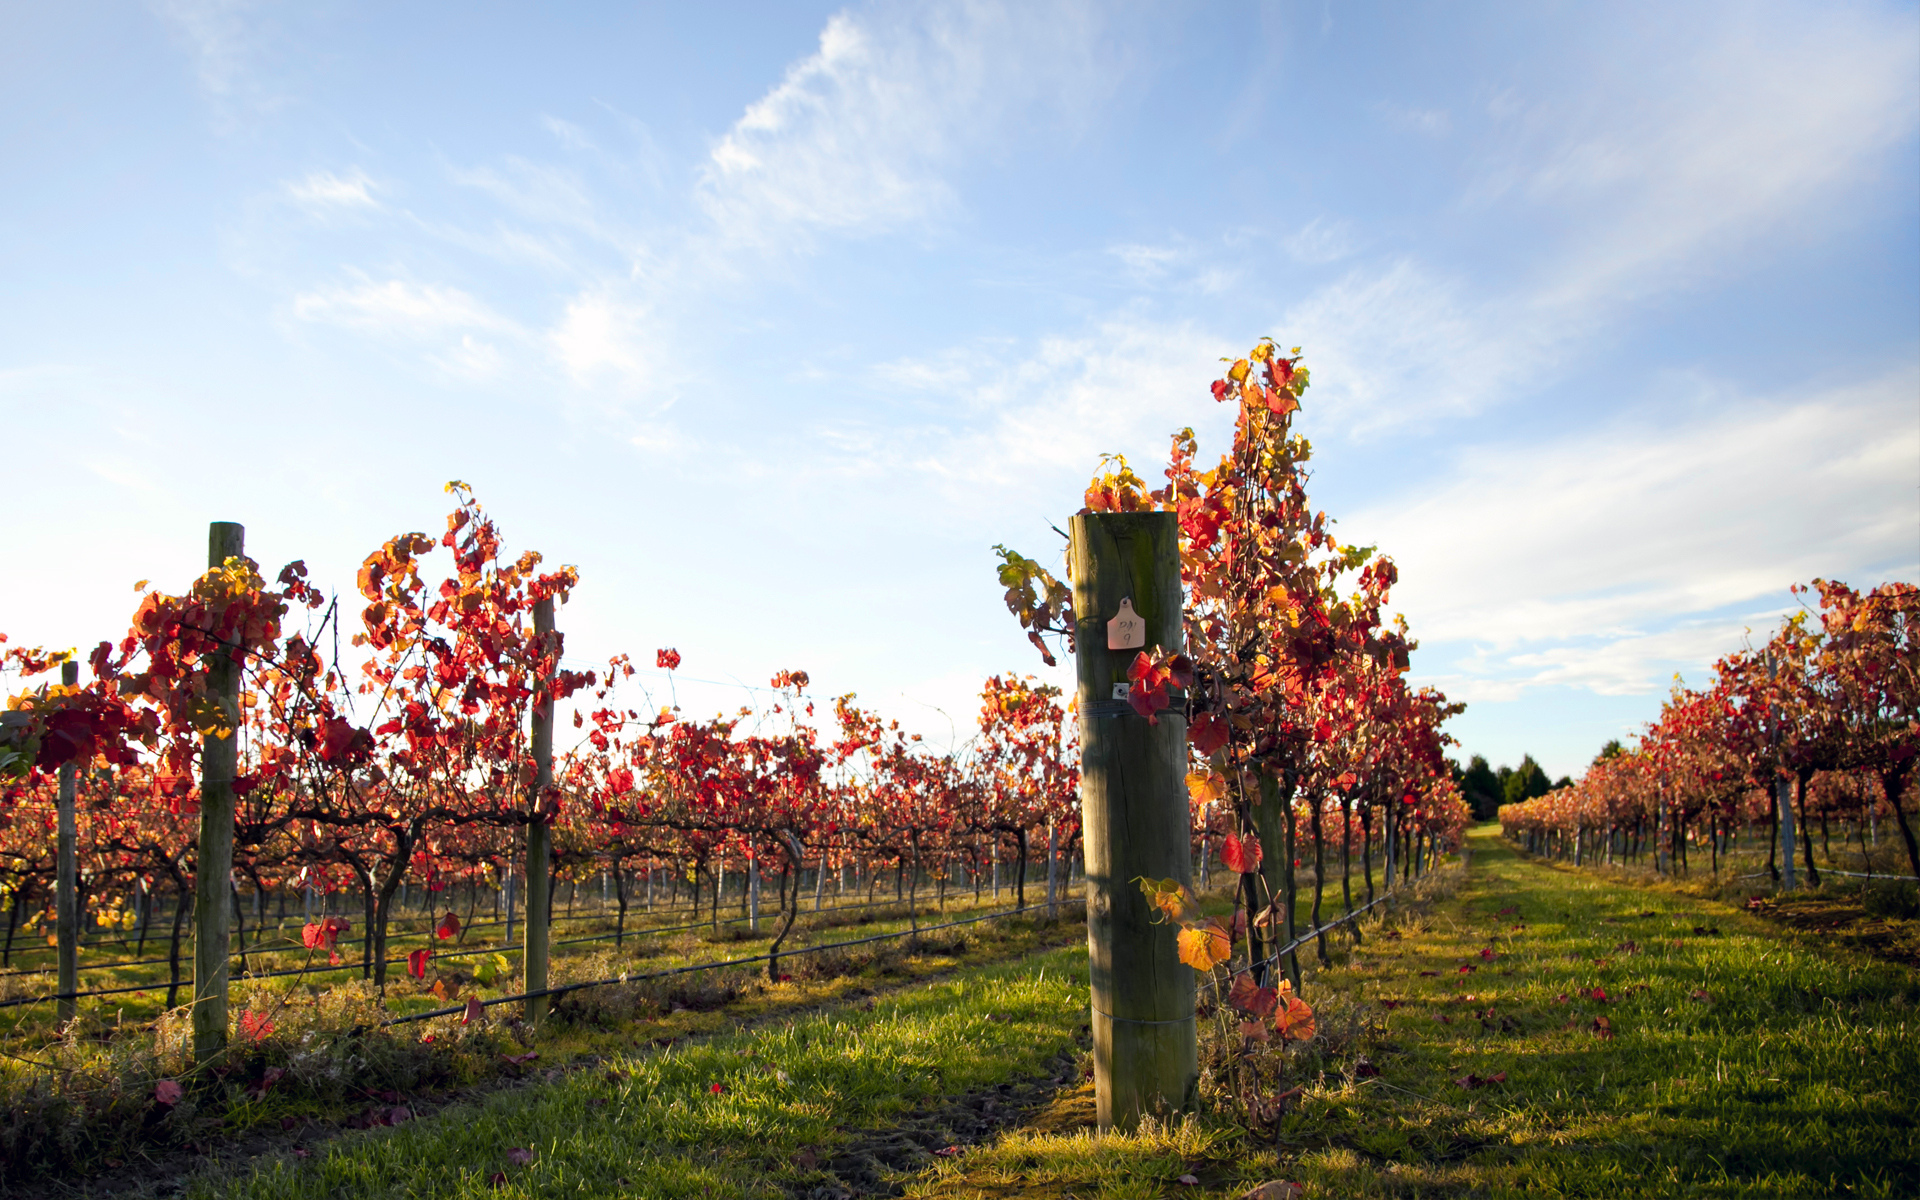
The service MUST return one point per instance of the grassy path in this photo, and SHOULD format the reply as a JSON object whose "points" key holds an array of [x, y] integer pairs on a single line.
{"points": [[1652, 1045], [1539, 1032]]}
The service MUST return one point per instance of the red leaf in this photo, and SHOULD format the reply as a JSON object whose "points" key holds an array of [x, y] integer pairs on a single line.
{"points": [[947, 1151], [474, 1009], [449, 927], [1207, 732], [1242, 858], [1487, 954], [168, 1092], [498, 1178], [417, 963], [718, 1089], [667, 660]]}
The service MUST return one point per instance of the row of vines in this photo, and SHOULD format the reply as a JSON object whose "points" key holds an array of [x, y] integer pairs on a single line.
{"points": [[1818, 728], [394, 741]]}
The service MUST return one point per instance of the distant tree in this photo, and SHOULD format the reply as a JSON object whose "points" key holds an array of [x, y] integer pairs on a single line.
{"points": [[1613, 749], [1565, 781], [1525, 782], [1483, 789]]}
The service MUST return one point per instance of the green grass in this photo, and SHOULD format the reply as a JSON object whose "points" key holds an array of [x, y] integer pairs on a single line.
{"points": [[1743, 1061], [1799, 1075], [651, 1123]]}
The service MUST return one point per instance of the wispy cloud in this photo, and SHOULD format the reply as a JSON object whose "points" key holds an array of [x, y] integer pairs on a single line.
{"points": [[1596, 558], [858, 137], [325, 190], [400, 308]]}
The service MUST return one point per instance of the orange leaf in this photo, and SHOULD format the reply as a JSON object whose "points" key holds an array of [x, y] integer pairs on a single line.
{"points": [[1295, 1021], [1203, 947]]}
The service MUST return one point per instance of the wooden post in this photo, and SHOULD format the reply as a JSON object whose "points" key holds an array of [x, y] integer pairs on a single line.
{"points": [[67, 890], [1135, 821], [213, 865], [539, 833]]}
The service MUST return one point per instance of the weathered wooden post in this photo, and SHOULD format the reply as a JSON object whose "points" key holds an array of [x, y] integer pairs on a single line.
{"points": [[539, 833], [66, 885], [1135, 819], [213, 866]]}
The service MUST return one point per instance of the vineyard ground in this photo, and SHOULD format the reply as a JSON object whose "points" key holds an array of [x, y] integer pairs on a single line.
{"points": [[1619, 1040], [348, 1078]]}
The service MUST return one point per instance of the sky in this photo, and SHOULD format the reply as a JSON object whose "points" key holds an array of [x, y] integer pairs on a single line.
{"points": [[774, 319]]}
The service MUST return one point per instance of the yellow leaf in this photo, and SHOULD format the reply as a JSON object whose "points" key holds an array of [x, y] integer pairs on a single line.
{"points": [[1204, 947], [141, 586], [1238, 372], [1205, 786]]}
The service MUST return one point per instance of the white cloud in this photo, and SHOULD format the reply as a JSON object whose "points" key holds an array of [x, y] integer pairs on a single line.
{"points": [[399, 308], [217, 33], [1039, 421], [1601, 559], [858, 136], [1320, 241], [1432, 122], [324, 189], [602, 335], [1671, 172], [1670, 177]]}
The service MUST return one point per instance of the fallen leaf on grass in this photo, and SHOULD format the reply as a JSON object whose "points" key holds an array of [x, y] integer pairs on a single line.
{"points": [[521, 1059], [1274, 1189], [1471, 1082], [1443, 1018], [497, 1179], [168, 1092], [1430, 972], [1391, 1003], [1704, 996], [947, 1151], [1487, 953], [1603, 1027], [519, 1156], [1468, 968], [806, 1160], [1189, 1180], [1508, 911]]}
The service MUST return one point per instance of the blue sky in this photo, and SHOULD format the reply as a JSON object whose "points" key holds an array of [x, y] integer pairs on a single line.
{"points": [[775, 318]]}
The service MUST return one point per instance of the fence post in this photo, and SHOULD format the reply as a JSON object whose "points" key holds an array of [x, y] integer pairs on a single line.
{"points": [[539, 833], [1135, 820], [66, 884], [213, 866]]}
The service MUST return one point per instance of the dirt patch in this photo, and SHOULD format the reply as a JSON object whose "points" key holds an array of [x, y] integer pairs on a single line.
{"points": [[878, 1162], [1847, 920]]}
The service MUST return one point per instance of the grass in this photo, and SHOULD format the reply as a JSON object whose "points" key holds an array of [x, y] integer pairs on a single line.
{"points": [[753, 1113], [326, 1063], [1527, 1030], [1735, 1059]]}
